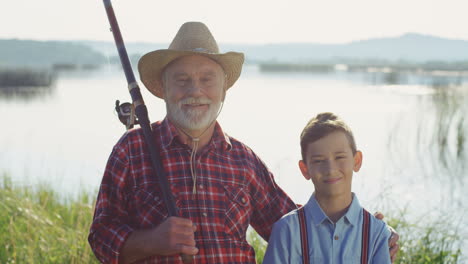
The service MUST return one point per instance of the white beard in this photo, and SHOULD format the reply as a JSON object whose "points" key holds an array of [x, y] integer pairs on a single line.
{"points": [[193, 119]]}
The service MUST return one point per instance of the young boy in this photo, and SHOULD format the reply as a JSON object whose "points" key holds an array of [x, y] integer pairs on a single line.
{"points": [[332, 227]]}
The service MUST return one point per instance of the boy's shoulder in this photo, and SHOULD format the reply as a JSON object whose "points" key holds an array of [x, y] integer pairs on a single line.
{"points": [[288, 219], [373, 220], [287, 227], [378, 228], [375, 223]]}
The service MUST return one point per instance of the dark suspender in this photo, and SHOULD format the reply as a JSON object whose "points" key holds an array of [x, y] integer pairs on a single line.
{"points": [[304, 237], [305, 242], [365, 236]]}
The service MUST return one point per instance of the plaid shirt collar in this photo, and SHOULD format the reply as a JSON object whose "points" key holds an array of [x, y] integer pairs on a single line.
{"points": [[170, 136]]}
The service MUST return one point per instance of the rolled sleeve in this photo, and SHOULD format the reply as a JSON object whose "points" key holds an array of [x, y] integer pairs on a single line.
{"points": [[107, 240]]}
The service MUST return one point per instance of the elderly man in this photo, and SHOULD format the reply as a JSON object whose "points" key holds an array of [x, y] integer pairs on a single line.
{"points": [[220, 186]]}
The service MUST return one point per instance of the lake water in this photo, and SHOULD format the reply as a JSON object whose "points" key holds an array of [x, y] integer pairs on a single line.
{"points": [[412, 129]]}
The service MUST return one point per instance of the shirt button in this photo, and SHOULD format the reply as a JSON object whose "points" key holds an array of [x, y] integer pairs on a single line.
{"points": [[204, 214], [337, 237], [200, 186], [243, 200]]}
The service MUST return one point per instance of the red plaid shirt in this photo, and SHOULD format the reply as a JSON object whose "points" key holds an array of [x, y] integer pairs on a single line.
{"points": [[234, 189]]}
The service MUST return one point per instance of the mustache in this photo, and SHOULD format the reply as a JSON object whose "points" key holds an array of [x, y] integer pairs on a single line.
{"points": [[193, 100]]}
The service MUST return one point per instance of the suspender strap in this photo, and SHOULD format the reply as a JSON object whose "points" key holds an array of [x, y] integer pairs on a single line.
{"points": [[304, 238], [365, 236]]}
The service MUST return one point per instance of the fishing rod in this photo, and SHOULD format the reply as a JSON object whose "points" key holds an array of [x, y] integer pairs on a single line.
{"points": [[139, 109]]}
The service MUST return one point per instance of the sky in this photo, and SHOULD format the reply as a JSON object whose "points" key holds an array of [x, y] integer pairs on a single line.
{"points": [[240, 21]]}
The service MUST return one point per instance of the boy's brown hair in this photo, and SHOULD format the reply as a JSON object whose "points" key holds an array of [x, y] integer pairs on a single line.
{"points": [[322, 125]]}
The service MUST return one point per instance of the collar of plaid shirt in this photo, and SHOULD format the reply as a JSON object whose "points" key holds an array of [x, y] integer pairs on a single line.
{"points": [[169, 135]]}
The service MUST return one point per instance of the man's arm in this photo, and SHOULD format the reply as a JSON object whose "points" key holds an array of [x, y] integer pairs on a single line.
{"points": [[109, 229], [269, 201], [108, 233]]}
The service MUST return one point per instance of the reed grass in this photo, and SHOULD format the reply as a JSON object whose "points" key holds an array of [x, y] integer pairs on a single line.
{"points": [[29, 77], [37, 225], [438, 242]]}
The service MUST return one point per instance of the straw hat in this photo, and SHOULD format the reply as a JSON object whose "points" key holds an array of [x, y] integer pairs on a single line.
{"points": [[193, 38]]}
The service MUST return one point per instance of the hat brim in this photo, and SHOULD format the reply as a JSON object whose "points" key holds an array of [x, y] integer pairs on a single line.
{"points": [[153, 63]]}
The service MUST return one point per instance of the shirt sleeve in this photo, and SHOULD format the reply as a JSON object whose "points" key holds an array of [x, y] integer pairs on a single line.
{"points": [[282, 247], [109, 229], [381, 252], [270, 201]]}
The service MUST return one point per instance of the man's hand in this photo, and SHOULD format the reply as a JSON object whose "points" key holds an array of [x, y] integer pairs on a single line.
{"points": [[394, 237], [173, 236]]}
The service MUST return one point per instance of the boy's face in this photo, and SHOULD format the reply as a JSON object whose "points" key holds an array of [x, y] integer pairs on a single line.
{"points": [[330, 164]]}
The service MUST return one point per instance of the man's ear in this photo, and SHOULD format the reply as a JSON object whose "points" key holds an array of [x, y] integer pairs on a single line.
{"points": [[304, 170], [357, 161]]}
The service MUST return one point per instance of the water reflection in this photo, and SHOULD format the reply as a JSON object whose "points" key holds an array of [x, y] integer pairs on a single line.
{"points": [[26, 93], [429, 78], [451, 128], [432, 140], [26, 83]]}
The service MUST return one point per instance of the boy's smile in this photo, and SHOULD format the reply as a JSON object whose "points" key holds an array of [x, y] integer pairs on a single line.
{"points": [[333, 180], [330, 164]]}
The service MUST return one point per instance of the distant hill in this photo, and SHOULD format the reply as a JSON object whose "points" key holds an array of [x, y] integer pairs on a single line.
{"points": [[410, 47], [14, 52], [107, 48]]}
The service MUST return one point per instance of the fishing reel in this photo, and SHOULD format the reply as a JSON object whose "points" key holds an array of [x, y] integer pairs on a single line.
{"points": [[126, 112]]}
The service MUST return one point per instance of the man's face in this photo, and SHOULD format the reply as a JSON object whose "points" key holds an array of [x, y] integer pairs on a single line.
{"points": [[330, 164], [194, 88]]}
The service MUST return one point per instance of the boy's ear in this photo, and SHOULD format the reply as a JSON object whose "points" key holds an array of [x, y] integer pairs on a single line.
{"points": [[357, 161], [304, 170]]}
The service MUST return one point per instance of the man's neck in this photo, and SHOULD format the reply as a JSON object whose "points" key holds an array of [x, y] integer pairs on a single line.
{"points": [[204, 136], [334, 206]]}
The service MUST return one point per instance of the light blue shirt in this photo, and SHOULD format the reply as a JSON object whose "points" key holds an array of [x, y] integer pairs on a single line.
{"points": [[328, 242]]}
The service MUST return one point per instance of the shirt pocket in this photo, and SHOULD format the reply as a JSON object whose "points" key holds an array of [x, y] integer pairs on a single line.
{"points": [[149, 207], [238, 208]]}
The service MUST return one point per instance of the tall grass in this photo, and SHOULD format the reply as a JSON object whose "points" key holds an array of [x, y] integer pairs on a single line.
{"points": [[38, 226], [438, 242]]}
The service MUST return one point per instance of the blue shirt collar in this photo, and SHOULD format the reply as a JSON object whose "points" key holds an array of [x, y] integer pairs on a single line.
{"points": [[318, 216]]}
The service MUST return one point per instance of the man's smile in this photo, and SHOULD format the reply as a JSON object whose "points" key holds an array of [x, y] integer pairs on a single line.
{"points": [[195, 106]]}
